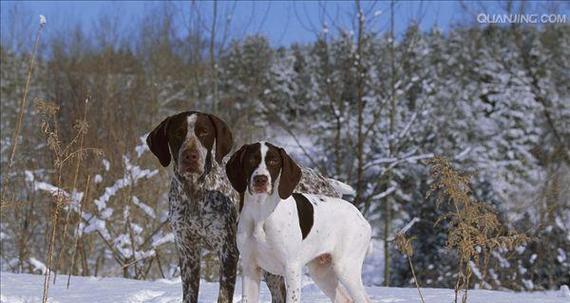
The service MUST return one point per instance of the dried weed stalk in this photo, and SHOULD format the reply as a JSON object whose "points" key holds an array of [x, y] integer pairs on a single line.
{"points": [[62, 153], [475, 230], [81, 127], [404, 245], [77, 230], [4, 201], [26, 90]]}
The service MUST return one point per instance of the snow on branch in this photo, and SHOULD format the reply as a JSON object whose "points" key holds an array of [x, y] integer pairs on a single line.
{"points": [[404, 229], [463, 154], [38, 265], [142, 147], [43, 20], [132, 175], [409, 225], [406, 128], [168, 238], [393, 162], [385, 193], [145, 208], [74, 198]]}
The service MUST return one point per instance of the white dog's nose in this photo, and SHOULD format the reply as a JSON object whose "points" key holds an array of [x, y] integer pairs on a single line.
{"points": [[260, 180]]}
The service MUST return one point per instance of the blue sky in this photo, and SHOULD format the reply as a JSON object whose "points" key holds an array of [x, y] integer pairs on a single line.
{"points": [[282, 21]]}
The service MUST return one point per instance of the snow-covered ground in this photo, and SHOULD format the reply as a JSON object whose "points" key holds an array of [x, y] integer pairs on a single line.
{"points": [[20, 288]]}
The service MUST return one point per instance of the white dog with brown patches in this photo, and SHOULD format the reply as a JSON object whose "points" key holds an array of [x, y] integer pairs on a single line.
{"points": [[280, 231]]}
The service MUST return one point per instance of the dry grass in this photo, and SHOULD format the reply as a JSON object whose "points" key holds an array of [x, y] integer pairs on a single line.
{"points": [[62, 153], [17, 129], [25, 95], [5, 202], [475, 230], [404, 245], [76, 242], [81, 126]]}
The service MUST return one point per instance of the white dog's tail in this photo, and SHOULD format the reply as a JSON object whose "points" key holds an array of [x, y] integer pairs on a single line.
{"points": [[342, 188]]}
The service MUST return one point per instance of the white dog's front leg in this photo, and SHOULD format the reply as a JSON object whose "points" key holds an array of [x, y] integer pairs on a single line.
{"points": [[293, 283], [251, 278]]}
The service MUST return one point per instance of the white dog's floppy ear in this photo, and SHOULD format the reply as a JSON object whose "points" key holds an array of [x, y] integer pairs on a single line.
{"points": [[235, 170], [290, 175], [157, 142]]}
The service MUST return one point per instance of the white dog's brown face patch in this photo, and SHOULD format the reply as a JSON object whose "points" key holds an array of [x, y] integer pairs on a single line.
{"points": [[256, 168]]}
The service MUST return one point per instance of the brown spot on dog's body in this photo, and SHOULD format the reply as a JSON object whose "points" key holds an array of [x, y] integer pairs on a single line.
{"points": [[324, 259], [305, 212]]}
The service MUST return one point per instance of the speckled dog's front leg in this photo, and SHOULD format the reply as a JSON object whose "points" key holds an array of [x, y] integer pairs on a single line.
{"points": [[189, 257], [276, 285], [229, 257]]}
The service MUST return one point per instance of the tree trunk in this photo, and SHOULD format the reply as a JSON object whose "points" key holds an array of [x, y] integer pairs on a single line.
{"points": [[388, 201], [214, 71], [360, 106]]}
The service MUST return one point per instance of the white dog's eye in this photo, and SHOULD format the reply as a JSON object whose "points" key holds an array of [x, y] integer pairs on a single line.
{"points": [[271, 162], [202, 132]]}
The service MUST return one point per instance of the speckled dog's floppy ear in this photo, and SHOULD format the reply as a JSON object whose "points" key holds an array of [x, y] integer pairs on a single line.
{"points": [[224, 140], [290, 175], [157, 141], [235, 170]]}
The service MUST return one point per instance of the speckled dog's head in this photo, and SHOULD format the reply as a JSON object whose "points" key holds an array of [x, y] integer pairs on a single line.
{"points": [[256, 168], [189, 138]]}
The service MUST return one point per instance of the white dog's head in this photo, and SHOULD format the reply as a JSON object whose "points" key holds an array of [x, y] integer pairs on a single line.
{"points": [[257, 167]]}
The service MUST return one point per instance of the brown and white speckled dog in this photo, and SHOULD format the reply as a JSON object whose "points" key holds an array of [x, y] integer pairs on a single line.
{"points": [[203, 207]]}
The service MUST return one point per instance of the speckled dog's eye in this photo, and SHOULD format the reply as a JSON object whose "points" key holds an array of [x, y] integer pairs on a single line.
{"points": [[180, 133], [272, 162]]}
